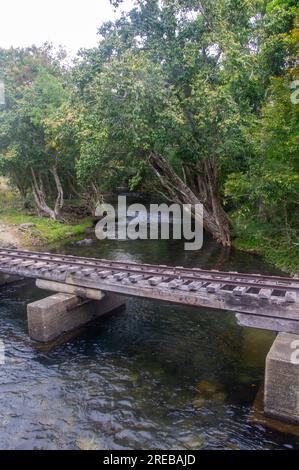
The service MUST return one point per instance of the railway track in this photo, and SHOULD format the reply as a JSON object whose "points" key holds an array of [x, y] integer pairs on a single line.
{"points": [[191, 279], [259, 301]]}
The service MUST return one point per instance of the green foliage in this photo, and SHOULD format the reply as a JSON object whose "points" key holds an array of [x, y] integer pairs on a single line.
{"points": [[267, 240], [167, 77], [196, 82], [270, 188], [34, 123]]}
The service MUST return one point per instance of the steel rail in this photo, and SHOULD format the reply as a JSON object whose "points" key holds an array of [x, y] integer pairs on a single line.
{"points": [[102, 262], [236, 279]]}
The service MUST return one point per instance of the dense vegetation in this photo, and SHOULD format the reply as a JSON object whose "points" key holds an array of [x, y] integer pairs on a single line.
{"points": [[187, 99]]}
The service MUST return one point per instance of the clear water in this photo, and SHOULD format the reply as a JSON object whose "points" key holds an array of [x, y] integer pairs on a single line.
{"points": [[156, 376]]}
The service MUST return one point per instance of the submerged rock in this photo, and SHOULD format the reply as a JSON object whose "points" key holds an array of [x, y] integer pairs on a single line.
{"points": [[199, 401], [86, 242], [208, 387], [89, 444], [194, 443], [219, 396], [208, 390]]}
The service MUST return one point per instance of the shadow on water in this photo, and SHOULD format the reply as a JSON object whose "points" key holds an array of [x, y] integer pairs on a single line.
{"points": [[153, 376]]}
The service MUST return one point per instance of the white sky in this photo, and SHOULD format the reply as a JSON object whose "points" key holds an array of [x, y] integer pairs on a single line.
{"points": [[71, 23]]}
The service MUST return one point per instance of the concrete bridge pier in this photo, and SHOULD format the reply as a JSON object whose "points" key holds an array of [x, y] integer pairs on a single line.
{"points": [[60, 313], [281, 393], [277, 403], [8, 279]]}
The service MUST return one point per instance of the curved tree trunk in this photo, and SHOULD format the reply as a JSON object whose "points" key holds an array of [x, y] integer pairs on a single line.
{"points": [[39, 195], [215, 220], [60, 197]]}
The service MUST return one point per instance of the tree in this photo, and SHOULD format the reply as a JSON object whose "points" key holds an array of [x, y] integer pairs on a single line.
{"points": [[203, 55], [267, 190], [30, 156]]}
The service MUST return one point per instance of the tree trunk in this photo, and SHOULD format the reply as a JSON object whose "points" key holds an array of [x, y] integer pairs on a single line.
{"points": [[40, 195], [215, 220], [208, 191], [23, 194], [60, 197], [96, 198]]}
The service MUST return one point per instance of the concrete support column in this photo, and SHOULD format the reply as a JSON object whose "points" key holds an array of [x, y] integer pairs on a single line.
{"points": [[8, 279], [281, 394], [49, 318]]}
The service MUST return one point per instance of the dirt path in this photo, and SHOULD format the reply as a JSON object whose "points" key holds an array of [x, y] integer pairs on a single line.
{"points": [[9, 236]]}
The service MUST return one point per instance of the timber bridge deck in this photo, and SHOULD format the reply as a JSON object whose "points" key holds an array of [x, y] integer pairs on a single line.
{"points": [[270, 302]]}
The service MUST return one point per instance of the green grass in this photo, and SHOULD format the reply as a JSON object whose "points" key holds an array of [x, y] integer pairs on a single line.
{"points": [[45, 230]]}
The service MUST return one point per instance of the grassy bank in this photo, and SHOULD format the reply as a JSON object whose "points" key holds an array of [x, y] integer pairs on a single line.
{"points": [[44, 231], [276, 247]]}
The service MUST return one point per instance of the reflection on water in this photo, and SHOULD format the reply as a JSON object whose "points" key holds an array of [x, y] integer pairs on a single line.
{"points": [[154, 376]]}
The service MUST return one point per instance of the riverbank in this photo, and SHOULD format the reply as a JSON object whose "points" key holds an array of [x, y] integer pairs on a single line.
{"points": [[27, 231], [275, 248], [21, 228]]}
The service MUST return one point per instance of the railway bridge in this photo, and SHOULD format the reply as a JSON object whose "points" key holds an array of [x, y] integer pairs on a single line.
{"points": [[86, 288], [269, 302]]}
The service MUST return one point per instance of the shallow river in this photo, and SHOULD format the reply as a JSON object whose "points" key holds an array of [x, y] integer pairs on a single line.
{"points": [[155, 376]]}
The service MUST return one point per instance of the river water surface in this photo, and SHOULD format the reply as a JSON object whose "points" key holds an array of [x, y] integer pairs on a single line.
{"points": [[155, 376]]}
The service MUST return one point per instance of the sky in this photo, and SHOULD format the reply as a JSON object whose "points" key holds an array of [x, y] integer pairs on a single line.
{"points": [[71, 23]]}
